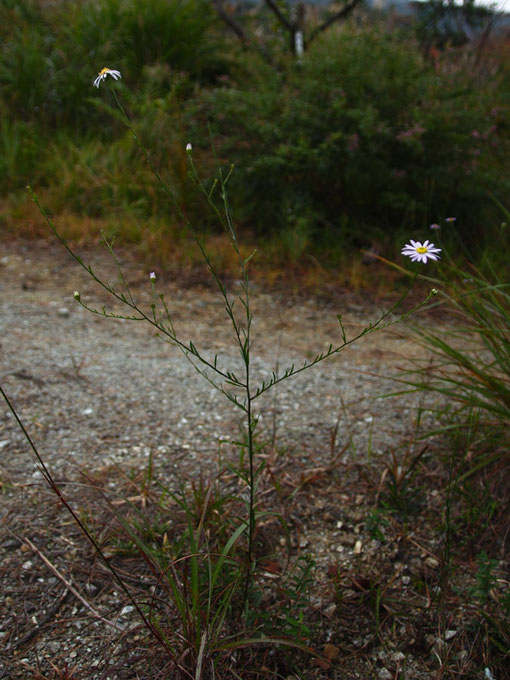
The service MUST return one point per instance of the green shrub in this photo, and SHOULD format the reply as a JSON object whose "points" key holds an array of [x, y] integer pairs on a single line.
{"points": [[139, 33], [362, 139], [20, 147], [49, 58]]}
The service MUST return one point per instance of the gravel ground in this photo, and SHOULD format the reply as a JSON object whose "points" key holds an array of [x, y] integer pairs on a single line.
{"points": [[97, 393]]}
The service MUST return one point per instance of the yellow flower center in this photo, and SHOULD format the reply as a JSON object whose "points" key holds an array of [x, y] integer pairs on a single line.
{"points": [[104, 70], [421, 250]]}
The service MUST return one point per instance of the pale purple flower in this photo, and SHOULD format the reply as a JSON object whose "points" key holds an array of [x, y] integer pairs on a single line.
{"points": [[421, 252], [450, 219], [435, 226], [103, 73], [189, 148], [152, 276]]}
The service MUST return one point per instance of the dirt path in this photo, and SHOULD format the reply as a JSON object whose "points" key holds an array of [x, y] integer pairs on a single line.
{"points": [[98, 390], [97, 393]]}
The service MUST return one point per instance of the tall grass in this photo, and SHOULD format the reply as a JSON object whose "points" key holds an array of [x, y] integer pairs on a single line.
{"points": [[471, 353]]}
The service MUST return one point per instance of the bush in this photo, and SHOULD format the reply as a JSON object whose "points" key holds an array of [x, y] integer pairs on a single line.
{"points": [[361, 139], [49, 57]]}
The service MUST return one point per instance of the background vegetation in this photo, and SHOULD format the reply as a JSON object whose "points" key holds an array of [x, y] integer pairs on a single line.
{"points": [[376, 132], [368, 138]]}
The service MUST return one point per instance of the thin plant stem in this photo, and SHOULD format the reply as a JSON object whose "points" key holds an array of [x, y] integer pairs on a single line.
{"points": [[55, 488]]}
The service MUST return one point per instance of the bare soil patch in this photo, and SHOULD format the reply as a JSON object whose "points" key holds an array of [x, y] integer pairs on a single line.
{"points": [[101, 398]]}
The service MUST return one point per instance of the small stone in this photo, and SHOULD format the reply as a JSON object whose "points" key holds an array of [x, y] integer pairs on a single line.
{"points": [[432, 562], [449, 634], [63, 312], [406, 580], [358, 547], [384, 674], [91, 589], [88, 412], [27, 565], [330, 610]]}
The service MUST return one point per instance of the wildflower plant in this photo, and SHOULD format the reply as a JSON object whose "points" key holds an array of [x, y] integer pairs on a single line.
{"points": [[212, 591], [104, 73], [472, 368], [421, 252]]}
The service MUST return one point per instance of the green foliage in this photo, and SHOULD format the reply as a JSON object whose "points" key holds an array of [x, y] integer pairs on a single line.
{"points": [[20, 148], [375, 524], [472, 355], [485, 577], [49, 57], [139, 34], [365, 137]]}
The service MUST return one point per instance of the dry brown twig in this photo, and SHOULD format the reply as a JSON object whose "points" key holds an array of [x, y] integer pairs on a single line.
{"points": [[68, 584]]}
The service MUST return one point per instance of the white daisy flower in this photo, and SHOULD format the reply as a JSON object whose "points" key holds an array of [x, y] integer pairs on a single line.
{"points": [[106, 72], [421, 252], [189, 148]]}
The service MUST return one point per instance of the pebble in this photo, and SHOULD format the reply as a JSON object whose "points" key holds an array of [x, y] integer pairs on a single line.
{"points": [[432, 562]]}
